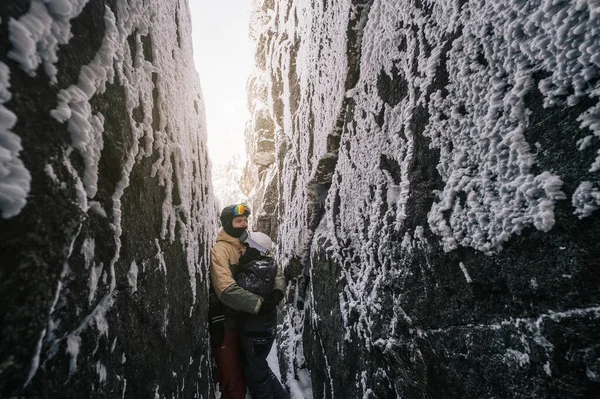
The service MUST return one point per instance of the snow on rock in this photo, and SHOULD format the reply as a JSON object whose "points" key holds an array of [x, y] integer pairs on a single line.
{"points": [[36, 35], [586, 199], [226, 182], [431, 161], [112, 249], [483, 146], [132, 276], [15, 179]]}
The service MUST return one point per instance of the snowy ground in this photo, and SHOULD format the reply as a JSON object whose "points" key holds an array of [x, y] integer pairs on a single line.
{"points": [[299, 389]]}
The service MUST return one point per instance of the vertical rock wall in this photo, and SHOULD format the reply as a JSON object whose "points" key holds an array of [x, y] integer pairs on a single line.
{"points": [[107, 210], [260, 180], [436, 169]]}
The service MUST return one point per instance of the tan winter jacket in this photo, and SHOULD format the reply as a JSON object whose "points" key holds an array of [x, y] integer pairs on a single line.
{"points": [[224, 254]]}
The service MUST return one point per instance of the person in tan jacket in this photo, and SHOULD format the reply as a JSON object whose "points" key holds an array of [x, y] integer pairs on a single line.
{"points": [[225, 254], [228, 299]]}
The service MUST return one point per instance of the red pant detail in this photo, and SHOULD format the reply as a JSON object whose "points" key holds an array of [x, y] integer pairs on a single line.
{"points": [[229, 365]]}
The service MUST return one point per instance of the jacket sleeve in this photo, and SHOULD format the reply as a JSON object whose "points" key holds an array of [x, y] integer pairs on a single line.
{"points": [[220, 274], [228, 292], [237, 298]]}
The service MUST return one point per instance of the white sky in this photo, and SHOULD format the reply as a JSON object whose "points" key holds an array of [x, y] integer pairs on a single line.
{"points": [[224, 57]]}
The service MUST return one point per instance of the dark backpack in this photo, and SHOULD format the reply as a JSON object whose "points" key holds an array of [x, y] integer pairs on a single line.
{"points": [[258, 275]]}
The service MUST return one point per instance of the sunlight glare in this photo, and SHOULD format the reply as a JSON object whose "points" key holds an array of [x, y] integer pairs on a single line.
{"points": [[223, 54]]}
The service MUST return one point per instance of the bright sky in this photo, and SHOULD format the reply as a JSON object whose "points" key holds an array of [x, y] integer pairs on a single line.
{"points": [[224, 57]]}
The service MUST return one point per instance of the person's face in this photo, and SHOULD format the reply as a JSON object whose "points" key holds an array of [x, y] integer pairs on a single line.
{"points": [[240, 222]]}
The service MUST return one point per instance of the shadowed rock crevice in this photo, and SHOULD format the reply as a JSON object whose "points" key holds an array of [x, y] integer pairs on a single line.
{"points": [[556, 132], [425, 178], [88, 32], [177, 27], [156, 122], [117, 141], [392, 89], [147, 47]]}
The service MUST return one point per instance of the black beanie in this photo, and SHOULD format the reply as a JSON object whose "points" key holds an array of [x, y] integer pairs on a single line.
{"points": [[230, 212]]}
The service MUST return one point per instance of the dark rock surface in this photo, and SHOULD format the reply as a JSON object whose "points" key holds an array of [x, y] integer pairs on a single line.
{"points": [[437, 170], [103, 270]]}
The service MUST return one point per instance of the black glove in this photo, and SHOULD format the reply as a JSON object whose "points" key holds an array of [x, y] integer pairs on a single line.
{"points": [[277, 296], [270, 302], [268, 305]]}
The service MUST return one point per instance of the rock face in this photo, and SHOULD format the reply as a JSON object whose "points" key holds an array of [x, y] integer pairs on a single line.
{"points": [[107, 211], [226, 182], [260, 180], [436, 168]]}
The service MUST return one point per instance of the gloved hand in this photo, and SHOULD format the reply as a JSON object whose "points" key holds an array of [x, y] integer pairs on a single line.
{"points": [[270, 302], [268, 305], [277, 296]]}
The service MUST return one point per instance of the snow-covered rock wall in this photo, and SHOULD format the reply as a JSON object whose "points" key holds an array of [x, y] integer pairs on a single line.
{"points": [[260, 179], [226, 182], [436, 165], [107, 211]]}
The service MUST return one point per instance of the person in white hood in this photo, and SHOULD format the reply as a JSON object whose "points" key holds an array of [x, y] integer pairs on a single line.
{"points": [[258, 273]]}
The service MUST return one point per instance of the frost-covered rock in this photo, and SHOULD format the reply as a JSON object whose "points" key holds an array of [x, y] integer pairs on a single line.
{"points": [[226, 182], [107, 210], [260, 180], [438, 180]]}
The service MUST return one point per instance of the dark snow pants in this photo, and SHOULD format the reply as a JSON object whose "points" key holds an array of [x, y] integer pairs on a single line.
{"points": [[257, 337], [229, 366]]}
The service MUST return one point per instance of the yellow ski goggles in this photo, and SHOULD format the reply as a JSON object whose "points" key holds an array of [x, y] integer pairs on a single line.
{"points": [[241, 210]]}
